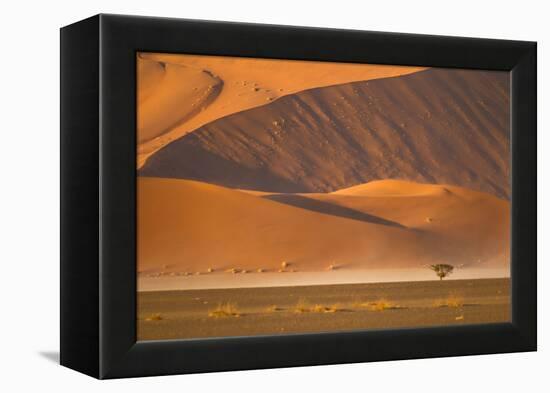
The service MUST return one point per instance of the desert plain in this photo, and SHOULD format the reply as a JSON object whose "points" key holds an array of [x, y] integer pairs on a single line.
{"points": [[317, 309]]}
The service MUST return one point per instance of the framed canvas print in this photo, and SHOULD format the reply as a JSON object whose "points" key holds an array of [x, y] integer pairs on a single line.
{"points": [[239, 196]]}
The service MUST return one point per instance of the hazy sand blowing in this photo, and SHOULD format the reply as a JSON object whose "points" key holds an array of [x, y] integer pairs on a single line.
{"points": [[440, 126], [180, 93], [267, 311], [189, 227], [175, 281]]}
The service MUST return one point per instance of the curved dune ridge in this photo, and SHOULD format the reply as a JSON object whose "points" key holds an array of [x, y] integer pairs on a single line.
{"points": [[439, 126], [393, 188], [180, 93], [191, 227], [169, 95]]}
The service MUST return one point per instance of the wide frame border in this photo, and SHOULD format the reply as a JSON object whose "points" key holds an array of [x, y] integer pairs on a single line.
{"points": [[119, 355]]}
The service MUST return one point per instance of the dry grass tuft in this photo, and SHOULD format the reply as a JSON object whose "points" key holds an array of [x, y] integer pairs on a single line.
{"points": [[453, 301], [336, 307], [154, 317], [381, 305], [318, 308], [225, 310], [360, 303], [302, 306]]}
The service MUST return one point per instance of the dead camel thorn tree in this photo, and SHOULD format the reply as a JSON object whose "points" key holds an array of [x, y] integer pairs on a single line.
{"points": [[442, 270]]}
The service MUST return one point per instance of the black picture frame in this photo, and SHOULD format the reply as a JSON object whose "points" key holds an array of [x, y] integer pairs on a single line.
{"points": [[98, 196]]}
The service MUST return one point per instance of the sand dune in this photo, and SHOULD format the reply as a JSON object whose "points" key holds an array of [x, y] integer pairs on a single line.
{"points": [[394, 188], [440, 126], [453, 213], [187, 227], [185, 92], [169, 95]]}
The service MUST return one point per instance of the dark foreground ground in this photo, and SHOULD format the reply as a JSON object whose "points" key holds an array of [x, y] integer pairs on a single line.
{"points": [[281, 310]]}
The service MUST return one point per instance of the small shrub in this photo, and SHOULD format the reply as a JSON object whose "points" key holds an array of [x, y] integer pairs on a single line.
{"points": [[442, 270]]}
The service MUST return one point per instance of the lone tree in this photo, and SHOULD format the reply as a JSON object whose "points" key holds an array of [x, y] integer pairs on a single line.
{"points": [[442, 270]]}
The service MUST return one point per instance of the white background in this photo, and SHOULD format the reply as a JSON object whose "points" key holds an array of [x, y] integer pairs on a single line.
{"points": [[29, 194]]}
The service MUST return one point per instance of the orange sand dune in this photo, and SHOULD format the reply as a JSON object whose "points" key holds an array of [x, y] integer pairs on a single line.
{"points": [[184, 92], [169, 95], [189, 226], [448, 211], [438, 126], [394, 188]]}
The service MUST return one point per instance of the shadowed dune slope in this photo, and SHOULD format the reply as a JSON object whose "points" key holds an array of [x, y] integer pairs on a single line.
{"points": [[439, 209], [189, 226], [186, 92], [439, 126]]}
